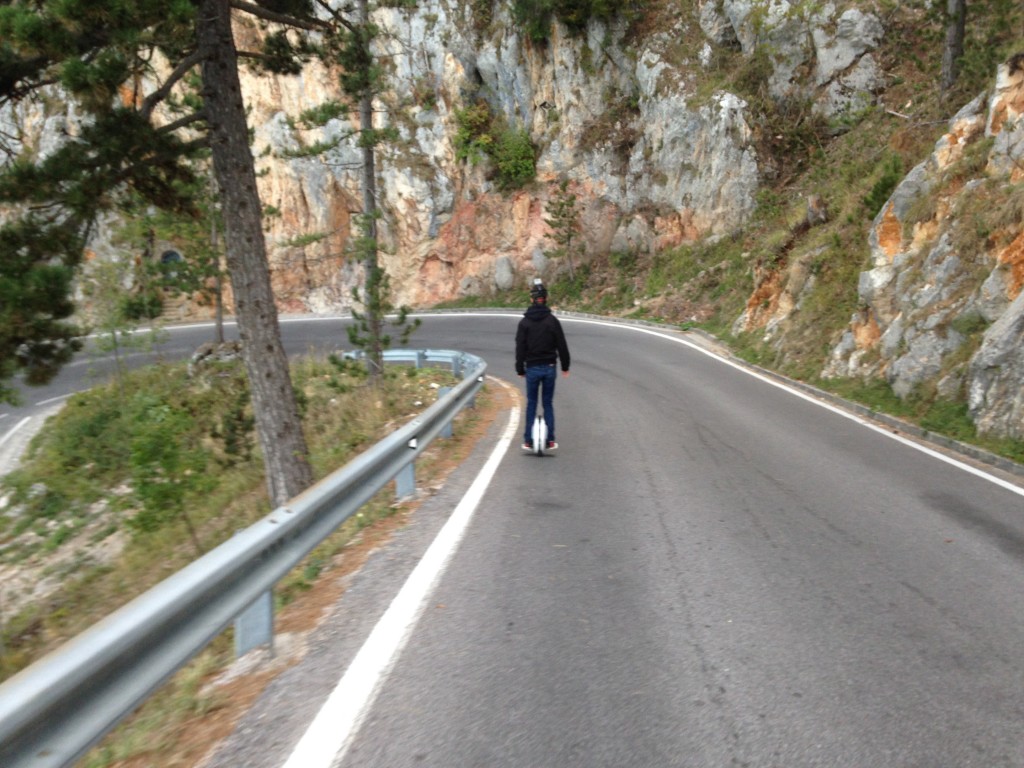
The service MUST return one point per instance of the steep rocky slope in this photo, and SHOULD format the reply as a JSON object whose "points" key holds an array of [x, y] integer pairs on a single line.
{"points": [[655, 157], [676, 126], [934, 284]]}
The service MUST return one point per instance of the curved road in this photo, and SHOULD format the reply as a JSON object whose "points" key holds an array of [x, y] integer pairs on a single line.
{"points": [[711, 571]]}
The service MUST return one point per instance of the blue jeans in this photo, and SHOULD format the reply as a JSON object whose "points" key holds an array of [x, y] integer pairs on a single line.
{"points": [[540, 377]]}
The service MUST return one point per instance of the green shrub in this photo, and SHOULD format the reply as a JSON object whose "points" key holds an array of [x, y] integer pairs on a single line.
{"points": [[479, 136], [892, 174], [515, 158], [168, 462], [570, 289], [969, 324], [473, 139], [534, 17], [144, 305]]}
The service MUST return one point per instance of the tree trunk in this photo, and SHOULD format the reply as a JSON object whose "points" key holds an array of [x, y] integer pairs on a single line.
{"points": [[277, 415], [218, 286], [374, 322], [953, 50]]}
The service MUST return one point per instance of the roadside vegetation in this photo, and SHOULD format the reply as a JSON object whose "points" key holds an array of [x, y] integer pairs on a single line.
{"points": [[134, 479], [131, 481]]}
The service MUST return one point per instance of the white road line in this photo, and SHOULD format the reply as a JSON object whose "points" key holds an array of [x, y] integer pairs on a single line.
{"points": [[329, 735], [58, 398], [805, 396], [840, 411], [15, 428]]}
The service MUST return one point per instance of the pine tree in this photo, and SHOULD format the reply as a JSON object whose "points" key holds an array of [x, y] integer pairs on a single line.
{"points": [[953, 46], [361, 80], [367, 332], [108, 57], [123, 64], [278, 421], [87, 49], [564, 220], [35, 303]]}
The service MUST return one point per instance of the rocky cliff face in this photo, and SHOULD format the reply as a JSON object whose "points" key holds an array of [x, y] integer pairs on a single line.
{"points": [[653, 163], [932, 286]]}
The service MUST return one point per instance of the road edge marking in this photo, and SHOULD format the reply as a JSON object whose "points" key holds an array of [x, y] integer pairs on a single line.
{"points": [[329, 735], [817, 401], [15, 428]]}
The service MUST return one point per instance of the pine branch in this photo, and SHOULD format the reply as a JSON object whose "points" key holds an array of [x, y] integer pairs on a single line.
{"points": [[18, 80], [337, 14], [310, 25], [150, 102], [183, 122]]}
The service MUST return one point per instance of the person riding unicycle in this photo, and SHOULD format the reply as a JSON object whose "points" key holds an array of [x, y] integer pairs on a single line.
{"points": [[540, 348]]}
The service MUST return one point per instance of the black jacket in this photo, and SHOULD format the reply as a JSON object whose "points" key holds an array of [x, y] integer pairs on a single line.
{"points": [[540, 339]]}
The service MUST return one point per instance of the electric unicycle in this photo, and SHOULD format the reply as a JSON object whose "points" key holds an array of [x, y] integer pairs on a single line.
{"points": [[539, 434]]}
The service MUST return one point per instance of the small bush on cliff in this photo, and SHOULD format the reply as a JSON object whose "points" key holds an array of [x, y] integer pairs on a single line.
{"points": [[473, 139], [535, 16], [515, 158], [891, 175], [481, 136]]}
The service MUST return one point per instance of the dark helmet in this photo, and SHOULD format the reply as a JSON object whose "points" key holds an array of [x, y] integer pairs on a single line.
{"points": [[537, 291]]}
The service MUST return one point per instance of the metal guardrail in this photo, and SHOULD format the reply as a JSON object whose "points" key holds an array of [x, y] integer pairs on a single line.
{"points": [[52, 712]]}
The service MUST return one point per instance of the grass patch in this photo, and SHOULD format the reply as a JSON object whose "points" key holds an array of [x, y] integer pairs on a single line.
{"points": [[498, 299], [81, 483], [343, 411], [145, 735], [940, 416], [875, 395]]}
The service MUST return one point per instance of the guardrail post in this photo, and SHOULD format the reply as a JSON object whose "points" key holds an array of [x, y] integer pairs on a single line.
{"points": [[421, 358], [255, 625], [446, 430], [405, 481]]}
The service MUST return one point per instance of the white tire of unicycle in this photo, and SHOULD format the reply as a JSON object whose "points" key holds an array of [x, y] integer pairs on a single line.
{"points": [[540, 435]]}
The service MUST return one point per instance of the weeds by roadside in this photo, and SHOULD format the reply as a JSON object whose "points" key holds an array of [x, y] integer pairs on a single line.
{"points": [[122, 488]]}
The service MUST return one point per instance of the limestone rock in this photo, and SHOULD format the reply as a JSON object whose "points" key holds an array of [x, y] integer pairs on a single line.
{"points": [[920, 293], [996, 397]]}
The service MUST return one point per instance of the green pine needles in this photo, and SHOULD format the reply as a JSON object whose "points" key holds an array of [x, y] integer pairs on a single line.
{"points": [[367, 331], [564, 219]]}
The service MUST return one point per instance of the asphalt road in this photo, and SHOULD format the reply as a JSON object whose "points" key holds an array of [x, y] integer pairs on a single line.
{"points": [[711, 571]]}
